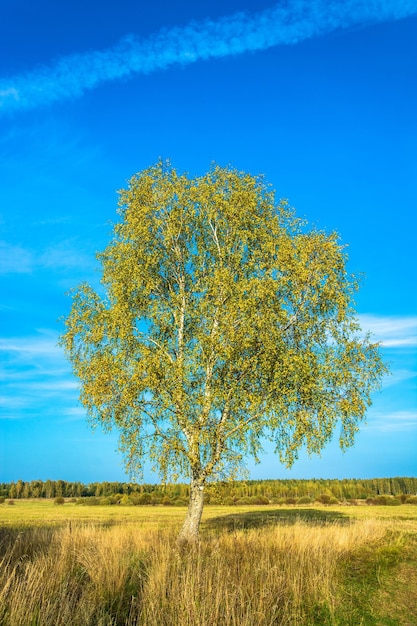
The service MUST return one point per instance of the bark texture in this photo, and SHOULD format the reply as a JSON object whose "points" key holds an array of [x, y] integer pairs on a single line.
{"points": [[191, 526]]}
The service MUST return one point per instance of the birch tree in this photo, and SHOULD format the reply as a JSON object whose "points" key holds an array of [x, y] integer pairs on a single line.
{"points": [[224, 322]]}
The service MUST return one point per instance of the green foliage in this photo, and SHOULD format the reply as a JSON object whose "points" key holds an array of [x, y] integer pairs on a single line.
{"points": [[304, 500], [290, 501], [243, 501], [143, 498], [393, 501], [126, 501], [179, 502], [348, 490], [224, 321], [259, 500], [324, 498], [91, 501], [105, 502]]}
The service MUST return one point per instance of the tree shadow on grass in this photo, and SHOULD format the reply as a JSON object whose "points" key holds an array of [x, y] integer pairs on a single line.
{"points": [[275, 517]]}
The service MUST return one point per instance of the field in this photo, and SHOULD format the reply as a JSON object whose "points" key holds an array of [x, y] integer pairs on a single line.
{"points": [[254, 566]]}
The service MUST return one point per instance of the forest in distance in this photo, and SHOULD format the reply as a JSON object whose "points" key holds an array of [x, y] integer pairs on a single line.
{"points": [[272, 491]]}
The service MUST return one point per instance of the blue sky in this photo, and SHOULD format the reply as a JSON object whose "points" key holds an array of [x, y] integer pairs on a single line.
{"points": [[320, 97]]}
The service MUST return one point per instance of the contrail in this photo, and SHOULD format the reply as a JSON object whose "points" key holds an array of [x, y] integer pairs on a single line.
{"points": [[283, 24]]}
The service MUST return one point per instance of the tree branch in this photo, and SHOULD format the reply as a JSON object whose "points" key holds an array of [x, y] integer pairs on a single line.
{"points": [[215, 238]]}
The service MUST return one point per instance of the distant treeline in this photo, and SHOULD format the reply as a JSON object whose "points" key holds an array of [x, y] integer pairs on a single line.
{"points": [[270, 490]]}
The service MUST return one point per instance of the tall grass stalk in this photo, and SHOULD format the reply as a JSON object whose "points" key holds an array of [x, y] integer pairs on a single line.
{"points": [[119, 575]]}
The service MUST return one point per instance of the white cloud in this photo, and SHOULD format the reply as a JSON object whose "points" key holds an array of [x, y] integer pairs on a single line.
{"points": [[396, 421], [15, 259], [9, 93], [399, 376], [73, 414], [282, 24], [39, 346], [391, 331], [65, 255], [36, 378]]}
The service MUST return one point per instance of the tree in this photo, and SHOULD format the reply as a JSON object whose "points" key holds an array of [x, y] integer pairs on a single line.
{"points": [[224, 321]]}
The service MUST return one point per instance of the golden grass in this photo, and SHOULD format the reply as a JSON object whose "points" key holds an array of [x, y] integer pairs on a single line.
{"points": [[286, 567], [92, 575], [45, 512]]}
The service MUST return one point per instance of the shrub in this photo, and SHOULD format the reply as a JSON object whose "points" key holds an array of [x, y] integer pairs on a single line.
{"points": [[166, 501], [290, 501], [10, 502], [393, 501], [384, 501], [2, 500], [324, 498], [411, 500], [244, 500], [92, 501], [380, 500], [212, 498], [259, 500], [304, 500], [180, 502], [88, 501], [59, 500], [126, 501], [143, 498]]}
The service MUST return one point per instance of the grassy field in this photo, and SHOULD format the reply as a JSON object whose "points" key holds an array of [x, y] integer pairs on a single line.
{"points": [[99, 566]]}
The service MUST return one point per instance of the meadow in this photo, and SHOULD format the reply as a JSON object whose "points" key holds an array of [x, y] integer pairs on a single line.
{"points": [[254, 566]]}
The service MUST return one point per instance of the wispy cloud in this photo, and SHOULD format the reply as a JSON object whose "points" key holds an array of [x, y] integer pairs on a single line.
{"points": [[73, 414], [282, 24], [67, 254], [397, 421], [391, 331], [41, 345], [36, 378], [15, 259], [398, 377]]}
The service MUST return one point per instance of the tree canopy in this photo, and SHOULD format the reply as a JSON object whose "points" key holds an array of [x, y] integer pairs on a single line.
{"points": [[225, 321]]}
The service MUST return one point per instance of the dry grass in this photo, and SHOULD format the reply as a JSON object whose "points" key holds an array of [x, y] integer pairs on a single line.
{"points": [[101, 574]]}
